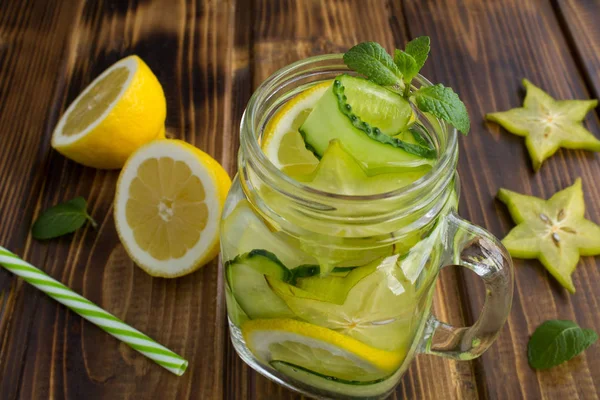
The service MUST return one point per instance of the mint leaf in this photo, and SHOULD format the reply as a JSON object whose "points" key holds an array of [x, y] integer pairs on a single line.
{"points": [[61, 219], [371, 60], [406, 64], [419, 48], [557, 341], [444, 103]]}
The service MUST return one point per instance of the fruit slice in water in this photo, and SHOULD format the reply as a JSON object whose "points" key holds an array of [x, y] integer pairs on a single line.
{"points": [[281, 141], [121, 110], [378, 310], [244, 232], [548, 124], [318, 349], [327, 382], [168, 206], [338, 172], [307, 271], [332, 289], [246, 276], [234, 311], [334, 117], [554, 231]]}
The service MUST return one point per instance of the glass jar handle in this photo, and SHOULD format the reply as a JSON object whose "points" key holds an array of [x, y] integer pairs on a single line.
{"points": [[474, 248]]}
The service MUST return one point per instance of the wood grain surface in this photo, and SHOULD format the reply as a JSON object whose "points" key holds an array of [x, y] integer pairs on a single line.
{"points": [[209, 56]]}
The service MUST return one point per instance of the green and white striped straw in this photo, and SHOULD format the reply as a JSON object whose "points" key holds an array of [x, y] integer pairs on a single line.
{"points": [[88, 310]]}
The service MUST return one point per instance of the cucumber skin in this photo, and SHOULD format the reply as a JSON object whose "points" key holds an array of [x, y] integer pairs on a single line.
{"points": [[276, 269], [308, 270], [286, 274], [274, 364], [372, 132]]}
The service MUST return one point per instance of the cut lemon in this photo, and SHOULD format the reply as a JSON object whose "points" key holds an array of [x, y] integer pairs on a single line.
{"points": [[168, 205], [318, 349], [118, 112], [281, 141]]}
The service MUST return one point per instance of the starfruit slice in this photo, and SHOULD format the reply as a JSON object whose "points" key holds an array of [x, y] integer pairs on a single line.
{"points": [[548, 124], [339, 172], [553, 231]]}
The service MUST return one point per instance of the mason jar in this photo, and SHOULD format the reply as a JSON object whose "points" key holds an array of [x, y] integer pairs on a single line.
{"points": [[330, 295]]}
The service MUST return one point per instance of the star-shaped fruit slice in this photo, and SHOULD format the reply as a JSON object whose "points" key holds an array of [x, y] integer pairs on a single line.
{"points": [[553, 231], [548, 124], [339, 172]]}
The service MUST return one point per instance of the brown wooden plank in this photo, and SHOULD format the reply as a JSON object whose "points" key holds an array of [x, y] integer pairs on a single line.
{"points": [[579, 20], [33, 52], [483, 49], [47, 351], [285, 31]]}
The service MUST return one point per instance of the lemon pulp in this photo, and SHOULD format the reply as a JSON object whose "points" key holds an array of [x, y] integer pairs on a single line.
{"points": [[166, 214], [96, 101]]}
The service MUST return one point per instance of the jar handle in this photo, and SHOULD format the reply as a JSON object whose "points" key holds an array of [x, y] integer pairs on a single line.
{"points": [[476, 249]]}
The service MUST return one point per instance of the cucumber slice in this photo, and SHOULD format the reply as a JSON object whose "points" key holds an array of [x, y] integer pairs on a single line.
{"points": [[340, 386], [330, 289], [246, 277], [236, 315], [334, 289], [306, 271], [276, 364], [333, 117]]}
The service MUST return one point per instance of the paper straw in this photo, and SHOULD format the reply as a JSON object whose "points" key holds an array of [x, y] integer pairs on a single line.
{"points": [[88, 310]]}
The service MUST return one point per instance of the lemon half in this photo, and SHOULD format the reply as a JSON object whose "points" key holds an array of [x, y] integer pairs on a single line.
{"points": [[167, 207], [119, 111]]}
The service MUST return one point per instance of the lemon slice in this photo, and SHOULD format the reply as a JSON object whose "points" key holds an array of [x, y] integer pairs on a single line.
{"points": [[281, 141], [318, 349], [119, 111], [168, 205]]}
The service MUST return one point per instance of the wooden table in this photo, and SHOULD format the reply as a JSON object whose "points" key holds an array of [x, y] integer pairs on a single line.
{"points": [[209, 56]]}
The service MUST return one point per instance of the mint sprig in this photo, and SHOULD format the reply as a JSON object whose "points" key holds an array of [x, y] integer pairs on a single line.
{"points": [[61, 219], [419, 49], [371, 60], [557, 341], [442, 102], [407, 65]]}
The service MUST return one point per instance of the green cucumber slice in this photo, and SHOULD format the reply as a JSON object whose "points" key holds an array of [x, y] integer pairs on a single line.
{"points": [[278, 364], [246, 276], [334, 289], [333, 117], [376, 106], [330, 289], [307, 271], [336, 385], [234, 311]]}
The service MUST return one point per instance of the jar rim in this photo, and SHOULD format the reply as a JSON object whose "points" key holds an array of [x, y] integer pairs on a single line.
{"points": [[270, 173]]}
